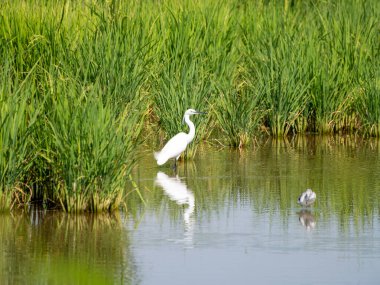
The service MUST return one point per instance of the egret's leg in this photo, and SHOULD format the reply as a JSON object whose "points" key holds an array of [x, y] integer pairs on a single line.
{"points": [[175, 165], [175, 162]]}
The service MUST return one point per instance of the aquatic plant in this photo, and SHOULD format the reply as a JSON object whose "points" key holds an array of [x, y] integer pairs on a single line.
{"points": [[18, 116], [90, 152], [367, 107], [188, 39], [69, 133], [174, 91], [238, 114]]}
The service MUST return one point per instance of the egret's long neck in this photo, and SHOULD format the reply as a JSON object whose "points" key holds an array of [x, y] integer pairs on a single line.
{"points": [[191, 133]]}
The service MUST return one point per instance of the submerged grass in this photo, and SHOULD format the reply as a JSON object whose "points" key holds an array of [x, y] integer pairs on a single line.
{"points": [[80, 81]]}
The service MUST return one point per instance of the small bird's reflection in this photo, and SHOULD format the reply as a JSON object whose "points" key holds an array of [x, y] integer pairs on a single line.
{"points": [[306, 219], [178, 192]]}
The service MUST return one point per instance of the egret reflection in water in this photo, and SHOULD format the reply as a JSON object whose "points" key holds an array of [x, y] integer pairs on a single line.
{"points": [[178, 192]]}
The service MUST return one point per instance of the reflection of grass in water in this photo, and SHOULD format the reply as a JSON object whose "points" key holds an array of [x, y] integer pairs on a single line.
{"points": [[53, 247], [65, 271], [340, 170]]}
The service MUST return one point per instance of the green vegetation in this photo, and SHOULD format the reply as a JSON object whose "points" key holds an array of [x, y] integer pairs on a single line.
{"points": [[72, 106], [81, 81]]}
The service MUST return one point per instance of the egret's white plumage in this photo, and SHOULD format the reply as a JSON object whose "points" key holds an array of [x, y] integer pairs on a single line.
{"points": [[177, 144], [307, 198]]}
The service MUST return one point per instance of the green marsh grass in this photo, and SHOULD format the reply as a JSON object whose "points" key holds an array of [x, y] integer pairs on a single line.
{"points": [[91, 152], [181, 80], [18, 116], [69, 133], [239, 114], [344, 52], [368, 107], [274, 58]]}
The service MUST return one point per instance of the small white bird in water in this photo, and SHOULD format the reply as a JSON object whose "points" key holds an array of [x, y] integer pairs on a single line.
{"points": [[307, 198], [177, 144]]}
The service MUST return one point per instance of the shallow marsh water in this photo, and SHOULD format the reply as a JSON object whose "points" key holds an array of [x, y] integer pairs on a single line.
{"points": [[226, 217]]}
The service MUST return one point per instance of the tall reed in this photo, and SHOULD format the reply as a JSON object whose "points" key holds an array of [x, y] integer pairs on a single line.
{"points": [[90, 105], [342, 54], [90, 150], [182, 70], [238, 113], [18, 116]]}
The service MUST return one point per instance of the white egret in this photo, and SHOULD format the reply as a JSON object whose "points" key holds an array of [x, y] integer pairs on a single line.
{"points": [[307, 198], [177, 144]]}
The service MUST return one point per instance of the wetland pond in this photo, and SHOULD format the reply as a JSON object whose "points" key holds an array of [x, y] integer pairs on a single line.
{"points": [[227, 217]]}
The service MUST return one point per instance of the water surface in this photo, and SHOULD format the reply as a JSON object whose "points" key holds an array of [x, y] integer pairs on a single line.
{"points": [[232, 216]]}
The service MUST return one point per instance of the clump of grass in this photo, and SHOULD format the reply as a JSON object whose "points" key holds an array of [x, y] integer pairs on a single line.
{"points": [[75, 112], [311, 72], [90, 151], [180, 79], [284, 94], [368, 110], [18, 117], [238, 112], [341, 54]]}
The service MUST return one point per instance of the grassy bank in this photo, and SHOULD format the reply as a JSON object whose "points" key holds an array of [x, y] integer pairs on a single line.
{"points": [[83, 82]]}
